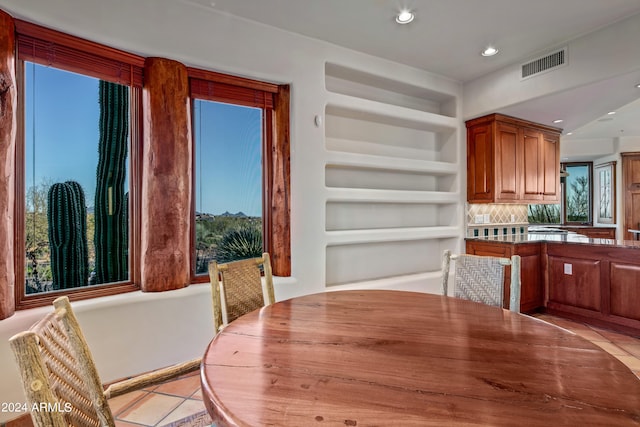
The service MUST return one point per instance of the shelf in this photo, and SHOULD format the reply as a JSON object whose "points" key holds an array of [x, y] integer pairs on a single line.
{"points": [[348, 237], [366, 161], [391, 196], [430, 150], [349, 215], [362, 84], [352, 262], [392, 175], [378, 112], [416, 282]]}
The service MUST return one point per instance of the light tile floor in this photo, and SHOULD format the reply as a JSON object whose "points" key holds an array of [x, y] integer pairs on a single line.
{"points": [[159, 405], [624, 347], [177, 399]]}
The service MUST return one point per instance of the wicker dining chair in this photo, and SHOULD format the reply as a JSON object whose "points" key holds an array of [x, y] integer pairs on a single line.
{"points": [[481, 278], [237, 288], [59, 377]]}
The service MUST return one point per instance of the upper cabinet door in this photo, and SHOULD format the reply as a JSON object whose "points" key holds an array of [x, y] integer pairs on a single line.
{"points": [[533, 165], [480, 166], [551, 168], [507, 155], [541, 166], [511, 160]]}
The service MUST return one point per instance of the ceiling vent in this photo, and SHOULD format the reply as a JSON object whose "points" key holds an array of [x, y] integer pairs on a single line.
{"points": [[544, 64]]}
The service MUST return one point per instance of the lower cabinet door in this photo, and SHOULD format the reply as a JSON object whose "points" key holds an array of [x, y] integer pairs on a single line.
{"points": [[575, 282], [531, 279], [531, 285], [625, 290]]}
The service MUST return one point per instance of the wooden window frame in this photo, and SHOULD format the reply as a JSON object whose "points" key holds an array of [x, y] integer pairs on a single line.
{"points": [[589, 221], [274, 101], [48, 47], [63, 51]]}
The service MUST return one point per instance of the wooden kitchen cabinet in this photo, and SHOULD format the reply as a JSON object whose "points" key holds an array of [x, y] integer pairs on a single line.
{"points": [[598, 232], [593, 232], [510, 160], [599, 284], [625, 292], [596, 283], [575, 282], [531, 285], [541, 166]]}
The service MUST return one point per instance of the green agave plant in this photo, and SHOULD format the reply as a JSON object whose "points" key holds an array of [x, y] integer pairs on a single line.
{"points": [[240, 243]]}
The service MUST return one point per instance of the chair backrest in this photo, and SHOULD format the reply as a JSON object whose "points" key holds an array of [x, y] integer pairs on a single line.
{"points": [[237, 288], [58, 372], [481, 278]]}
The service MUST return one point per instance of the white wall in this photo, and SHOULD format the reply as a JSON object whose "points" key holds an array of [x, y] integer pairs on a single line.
{"points": [[592, 150], [137, 332], [587, 148], [627, 144], [611, 51]]}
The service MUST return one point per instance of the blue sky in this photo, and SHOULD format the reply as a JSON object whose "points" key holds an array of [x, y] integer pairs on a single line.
{"points": [[576, 172], [65, 128], [65, 135], [228, 141]]}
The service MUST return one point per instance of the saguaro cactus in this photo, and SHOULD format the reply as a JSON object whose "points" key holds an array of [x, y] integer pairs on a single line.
{"points": [[67, 226], [110, 202]]}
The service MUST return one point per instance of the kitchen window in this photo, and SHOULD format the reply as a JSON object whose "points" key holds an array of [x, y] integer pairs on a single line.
{"points": [[576, 187]]}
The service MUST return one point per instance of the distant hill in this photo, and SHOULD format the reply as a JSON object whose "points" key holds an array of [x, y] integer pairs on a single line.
{"points": [[235, 215], [204, 217], [227, 214]]}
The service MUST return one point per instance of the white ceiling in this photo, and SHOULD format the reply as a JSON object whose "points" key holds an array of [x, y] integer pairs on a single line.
{"points": [[447, 36]]}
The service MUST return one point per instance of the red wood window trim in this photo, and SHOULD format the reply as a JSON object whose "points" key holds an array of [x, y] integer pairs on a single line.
{"points": [[52, 48], [271, 99], [222, 92]]}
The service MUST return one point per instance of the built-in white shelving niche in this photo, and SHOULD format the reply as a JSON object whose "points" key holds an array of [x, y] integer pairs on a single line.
{"points": [[391, 177], [349, 215], [361, 84], [378, 260]]}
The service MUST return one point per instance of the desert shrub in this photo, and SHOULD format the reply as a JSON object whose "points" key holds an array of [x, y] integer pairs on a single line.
{"points": [[240, 243]]}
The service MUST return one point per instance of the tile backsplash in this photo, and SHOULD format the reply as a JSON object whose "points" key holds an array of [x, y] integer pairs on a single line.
{"points": [[496, 219]]}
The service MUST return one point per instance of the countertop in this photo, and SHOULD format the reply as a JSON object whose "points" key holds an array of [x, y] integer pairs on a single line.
{"points": [[569, 227], [571, 238]]}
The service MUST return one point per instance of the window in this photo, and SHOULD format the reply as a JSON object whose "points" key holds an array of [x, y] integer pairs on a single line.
{"points": [[233, 137], [228, 172], [577, 193], [78, 101], [66, 88]]}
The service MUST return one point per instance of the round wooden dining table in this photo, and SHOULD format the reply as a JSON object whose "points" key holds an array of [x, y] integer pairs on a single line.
{"points": [[395, 358]]}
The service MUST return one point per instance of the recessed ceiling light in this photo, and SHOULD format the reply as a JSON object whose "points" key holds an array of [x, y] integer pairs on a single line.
{"points": [[611, 113], [569, 133], [404, 17], [558, 121], [638, 85], [489, 51]]}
